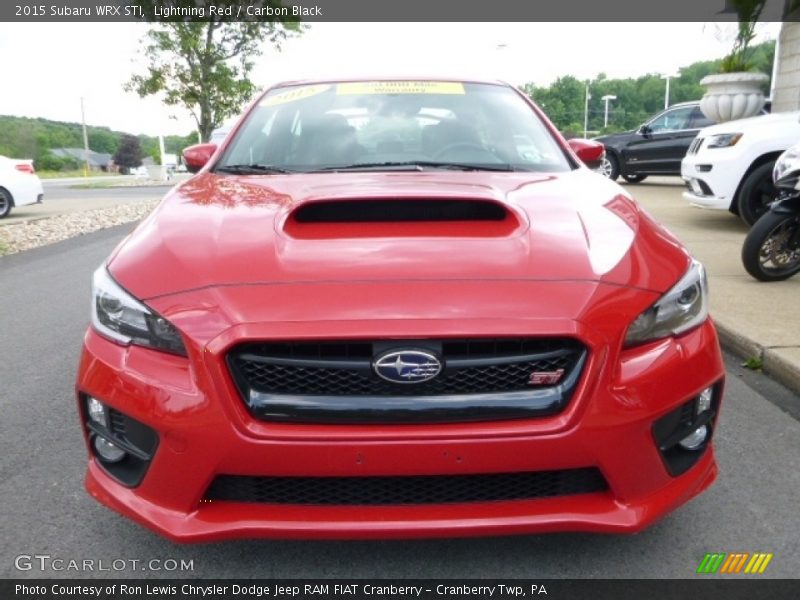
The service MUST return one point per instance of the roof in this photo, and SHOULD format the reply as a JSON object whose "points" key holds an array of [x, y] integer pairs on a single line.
{"points": [[388, 78]]}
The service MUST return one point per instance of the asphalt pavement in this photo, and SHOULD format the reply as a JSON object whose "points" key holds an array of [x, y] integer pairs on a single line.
{"points": [[46, 512]]}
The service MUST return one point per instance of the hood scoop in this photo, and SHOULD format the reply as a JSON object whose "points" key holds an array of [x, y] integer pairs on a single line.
{"points": [[405, 217]]}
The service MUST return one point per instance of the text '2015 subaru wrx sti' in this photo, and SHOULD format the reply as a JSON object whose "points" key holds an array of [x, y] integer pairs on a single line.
{"points": [[398, 308]]}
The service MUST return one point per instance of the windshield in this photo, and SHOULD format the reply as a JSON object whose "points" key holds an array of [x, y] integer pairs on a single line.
{"points": [[392, 125]]}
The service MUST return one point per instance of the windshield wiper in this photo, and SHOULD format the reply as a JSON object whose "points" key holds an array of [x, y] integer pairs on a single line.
{"points": [[419, 165], [252, 169]]}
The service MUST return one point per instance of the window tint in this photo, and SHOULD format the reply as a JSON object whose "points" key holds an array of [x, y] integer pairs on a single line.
{"points": [[671, 120], [699, 120]]}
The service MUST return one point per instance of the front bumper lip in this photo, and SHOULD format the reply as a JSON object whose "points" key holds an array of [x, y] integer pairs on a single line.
{"points": [[596, 513], [205, 431], [706, 201], [721, 179]]}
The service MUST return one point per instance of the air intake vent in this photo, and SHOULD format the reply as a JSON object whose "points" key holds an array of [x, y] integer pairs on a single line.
{"points": [[393, 211], [406, 490]]}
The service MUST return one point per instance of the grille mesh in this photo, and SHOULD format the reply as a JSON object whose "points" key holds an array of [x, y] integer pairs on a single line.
{"points": [[117, 422], [406, 490], [278, 379], [507, 367]]}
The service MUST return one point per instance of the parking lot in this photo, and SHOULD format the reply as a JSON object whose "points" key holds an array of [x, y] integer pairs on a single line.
{"points": [[751, 508]]}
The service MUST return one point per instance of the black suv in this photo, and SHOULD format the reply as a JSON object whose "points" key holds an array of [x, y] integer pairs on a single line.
{"points": [[657, 147]]}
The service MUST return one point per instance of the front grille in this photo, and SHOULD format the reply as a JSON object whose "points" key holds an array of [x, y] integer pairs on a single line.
{"points": [[695, 145], [483, 366], [335, 381], [305, 380], [505, 377], [406, 490]]}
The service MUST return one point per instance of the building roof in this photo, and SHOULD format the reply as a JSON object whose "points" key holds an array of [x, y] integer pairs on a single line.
{"points": [[96, 159]]}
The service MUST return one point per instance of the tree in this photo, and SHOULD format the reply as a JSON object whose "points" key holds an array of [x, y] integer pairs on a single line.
{"points": [[129, 154], [101, 139], [204, 66], [637, 99]]}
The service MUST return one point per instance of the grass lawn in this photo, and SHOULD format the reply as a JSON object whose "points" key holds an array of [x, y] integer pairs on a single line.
{"points": [[72, 173]]}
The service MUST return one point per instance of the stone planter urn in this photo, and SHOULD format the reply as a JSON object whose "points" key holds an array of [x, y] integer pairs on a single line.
{"points": [[732, 95]]}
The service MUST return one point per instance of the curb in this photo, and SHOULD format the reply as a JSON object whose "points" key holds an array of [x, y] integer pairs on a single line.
{"points": [[786, 372]]}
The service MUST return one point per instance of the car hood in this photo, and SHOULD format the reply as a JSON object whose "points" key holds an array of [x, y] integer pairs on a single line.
{"points": [[759, 122], [219, 230]]}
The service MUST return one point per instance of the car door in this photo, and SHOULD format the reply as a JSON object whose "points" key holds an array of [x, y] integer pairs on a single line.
{"points": [[660, 144]]}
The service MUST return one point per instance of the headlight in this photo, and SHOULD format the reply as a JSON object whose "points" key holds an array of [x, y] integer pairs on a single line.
{"points": [[119, 316], [723, 140], [681, 308], [788, 161]]}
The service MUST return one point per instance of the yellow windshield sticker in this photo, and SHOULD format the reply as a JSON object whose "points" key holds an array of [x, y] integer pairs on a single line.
{"points": [[294, 94], [399, 87]]}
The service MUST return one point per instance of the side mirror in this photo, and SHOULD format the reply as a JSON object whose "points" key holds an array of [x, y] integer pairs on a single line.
{"points": [[197, 156], [645, 129], [590, 152]]}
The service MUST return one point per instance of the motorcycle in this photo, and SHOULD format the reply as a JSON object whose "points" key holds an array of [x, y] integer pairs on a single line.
{"points": [[771, 250]]}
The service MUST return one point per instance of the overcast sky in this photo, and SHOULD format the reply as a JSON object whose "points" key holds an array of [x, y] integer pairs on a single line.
{"points": [[46, 68]]}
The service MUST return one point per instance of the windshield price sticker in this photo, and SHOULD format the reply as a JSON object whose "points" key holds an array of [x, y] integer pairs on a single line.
{"points": [[399, 87], [294, 94]]}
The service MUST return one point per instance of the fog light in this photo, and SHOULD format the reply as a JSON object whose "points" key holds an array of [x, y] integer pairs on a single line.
{"points": [[695, 187], [108, 451], [97, 412], [696, 439], [704, 400]]}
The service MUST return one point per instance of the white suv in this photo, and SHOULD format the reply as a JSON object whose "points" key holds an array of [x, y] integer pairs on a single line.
{"points": [[729, 165]]}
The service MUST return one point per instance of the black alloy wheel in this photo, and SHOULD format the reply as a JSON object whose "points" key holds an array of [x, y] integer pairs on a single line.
{"points": [[757, 193], [771, 250]]}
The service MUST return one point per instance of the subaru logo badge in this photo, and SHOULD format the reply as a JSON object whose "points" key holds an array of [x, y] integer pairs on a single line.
{"points": [[407, 366]]}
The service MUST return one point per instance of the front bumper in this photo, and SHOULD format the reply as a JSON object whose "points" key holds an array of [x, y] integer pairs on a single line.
{"points": [[711, 184], [204, 431]]}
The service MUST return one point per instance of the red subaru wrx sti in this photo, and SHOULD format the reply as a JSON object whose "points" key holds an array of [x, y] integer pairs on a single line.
{"points": [[398, 308]]}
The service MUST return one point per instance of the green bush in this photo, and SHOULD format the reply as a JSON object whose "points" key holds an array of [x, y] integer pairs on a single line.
{"points": [[49, 162]]}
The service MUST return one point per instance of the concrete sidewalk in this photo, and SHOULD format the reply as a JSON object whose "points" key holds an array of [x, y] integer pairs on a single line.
{"points": [[754, 319]]}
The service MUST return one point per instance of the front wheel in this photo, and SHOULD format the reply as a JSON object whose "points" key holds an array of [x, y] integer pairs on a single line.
{"points": [[771, 250], [609, 167], [757, 193], [5, 203], [634, 178]]}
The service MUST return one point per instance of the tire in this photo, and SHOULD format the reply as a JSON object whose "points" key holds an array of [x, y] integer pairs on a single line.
{"points": [[634, 178], [765, 254], [756, 193], [609, 167], [6, 202]]}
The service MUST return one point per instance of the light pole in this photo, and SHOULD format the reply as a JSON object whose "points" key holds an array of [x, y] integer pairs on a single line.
{"points": [[666, 92], [586, 112], [606, 98], [85, 142]]}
